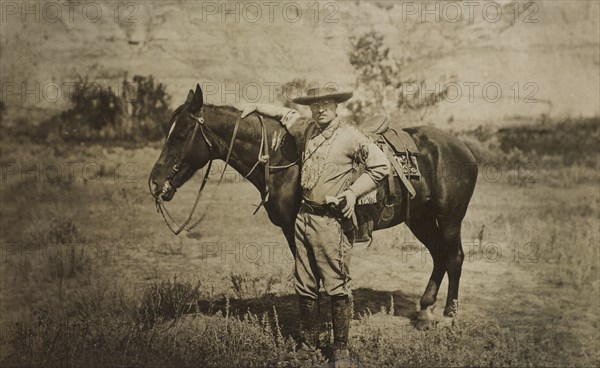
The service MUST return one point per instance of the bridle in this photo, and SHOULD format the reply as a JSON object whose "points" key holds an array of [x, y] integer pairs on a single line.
{"points": [[263, 158]]}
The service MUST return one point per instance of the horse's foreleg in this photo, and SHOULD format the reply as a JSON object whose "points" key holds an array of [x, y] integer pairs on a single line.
{"points": [[427, 231], [288, 232]]}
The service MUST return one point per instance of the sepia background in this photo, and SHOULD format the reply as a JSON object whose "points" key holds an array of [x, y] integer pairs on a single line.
{"points": [[91, 276]]}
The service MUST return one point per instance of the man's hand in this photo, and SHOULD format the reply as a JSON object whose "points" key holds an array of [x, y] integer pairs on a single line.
{"points": [[350, 196], [274, 111]]}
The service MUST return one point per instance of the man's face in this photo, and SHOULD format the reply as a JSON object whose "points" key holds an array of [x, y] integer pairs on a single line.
{"points": [[323, 111]]}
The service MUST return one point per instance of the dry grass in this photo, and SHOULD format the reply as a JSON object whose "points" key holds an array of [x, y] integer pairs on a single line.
{"points": [[121, 291]]}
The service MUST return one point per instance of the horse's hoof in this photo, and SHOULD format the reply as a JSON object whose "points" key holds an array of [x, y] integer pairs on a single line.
{"points": [[426, 320], [427, 314], [451, 310]]}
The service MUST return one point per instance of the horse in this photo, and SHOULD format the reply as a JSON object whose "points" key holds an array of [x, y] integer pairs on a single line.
{"points": [[203, 132]]}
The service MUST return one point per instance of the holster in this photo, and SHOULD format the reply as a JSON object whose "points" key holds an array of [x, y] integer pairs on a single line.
{"points": [[347, 225]]}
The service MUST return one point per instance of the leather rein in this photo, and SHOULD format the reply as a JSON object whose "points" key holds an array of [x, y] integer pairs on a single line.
{"points": [[263, 158]]}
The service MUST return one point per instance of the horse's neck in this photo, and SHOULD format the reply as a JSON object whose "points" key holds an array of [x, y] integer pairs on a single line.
{"points": [[245, 146]]}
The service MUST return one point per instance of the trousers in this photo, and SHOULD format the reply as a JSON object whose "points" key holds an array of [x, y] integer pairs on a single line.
{"points": [[323, 253]]}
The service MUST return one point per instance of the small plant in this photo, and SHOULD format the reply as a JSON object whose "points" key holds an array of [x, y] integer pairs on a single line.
{"points": [[64, 246], [247, 286], [167, 300]]}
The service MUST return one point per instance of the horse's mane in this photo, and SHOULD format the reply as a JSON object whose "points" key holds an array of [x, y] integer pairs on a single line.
{"points": [[178, 110], [235, 112], [228, 108], [232, 111]]}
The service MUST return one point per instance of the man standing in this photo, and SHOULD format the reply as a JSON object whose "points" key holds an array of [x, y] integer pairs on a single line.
{"points": [[331, 151]]}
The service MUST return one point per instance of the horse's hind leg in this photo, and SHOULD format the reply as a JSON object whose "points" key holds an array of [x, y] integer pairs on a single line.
{"points": [[453, 260], [428, 232]]}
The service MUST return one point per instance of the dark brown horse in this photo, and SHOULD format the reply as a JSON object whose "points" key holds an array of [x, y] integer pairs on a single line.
{"points": [[202, 132]]}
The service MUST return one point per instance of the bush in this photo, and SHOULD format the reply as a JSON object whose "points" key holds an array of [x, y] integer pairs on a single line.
{"points": [[247, 286], [167, 301], [98, 328], [149, 106], [98, 106], [574, 140], [141, 113], [64, 248], [546, 142]]}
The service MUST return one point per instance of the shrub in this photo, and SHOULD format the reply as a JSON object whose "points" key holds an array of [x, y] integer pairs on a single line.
{"points": [[246, 285], [575, 140], [63, 245], [98, 328], [167, 300], [149, 106], [99, 106], [547, 142], [141, 113]]}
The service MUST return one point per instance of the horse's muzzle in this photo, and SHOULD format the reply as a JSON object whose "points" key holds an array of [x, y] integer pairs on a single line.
{"points": [[165, 193]]}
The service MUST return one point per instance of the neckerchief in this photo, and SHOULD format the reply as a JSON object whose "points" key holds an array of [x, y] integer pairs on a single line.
{"points": [[315, 155]]}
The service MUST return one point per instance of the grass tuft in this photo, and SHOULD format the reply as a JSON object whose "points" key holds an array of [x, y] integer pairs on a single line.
{"points": [[166, 301]]}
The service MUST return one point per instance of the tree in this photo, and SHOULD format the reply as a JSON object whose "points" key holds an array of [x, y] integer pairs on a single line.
{"points": [[382, 86]]}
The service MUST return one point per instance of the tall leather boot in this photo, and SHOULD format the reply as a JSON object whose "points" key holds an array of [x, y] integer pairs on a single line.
{"points": [[309, 323], [341, 314]]}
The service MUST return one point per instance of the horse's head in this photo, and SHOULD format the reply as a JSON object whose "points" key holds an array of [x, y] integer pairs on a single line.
{"points": [[185, 151]]}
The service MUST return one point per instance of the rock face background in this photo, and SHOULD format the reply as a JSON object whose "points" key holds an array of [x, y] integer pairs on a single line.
{"points": [[91, 276], [543, 60]]}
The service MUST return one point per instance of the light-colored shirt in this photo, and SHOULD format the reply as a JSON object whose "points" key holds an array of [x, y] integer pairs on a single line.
{"points": [[331, 157]]}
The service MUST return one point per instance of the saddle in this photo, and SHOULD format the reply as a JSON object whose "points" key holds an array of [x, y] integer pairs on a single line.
{"points": [[397, 190]]}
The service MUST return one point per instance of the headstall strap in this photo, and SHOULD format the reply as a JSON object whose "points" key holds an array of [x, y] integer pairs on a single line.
{"points": [[266, 158], [199, 120]]}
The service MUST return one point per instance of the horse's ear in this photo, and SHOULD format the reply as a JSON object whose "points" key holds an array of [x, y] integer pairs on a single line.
{"points": [[190, 96], [197, 100]]}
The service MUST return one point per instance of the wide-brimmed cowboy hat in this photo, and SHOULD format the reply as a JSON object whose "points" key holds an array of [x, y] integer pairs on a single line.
{"points": [[317, 94]]}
